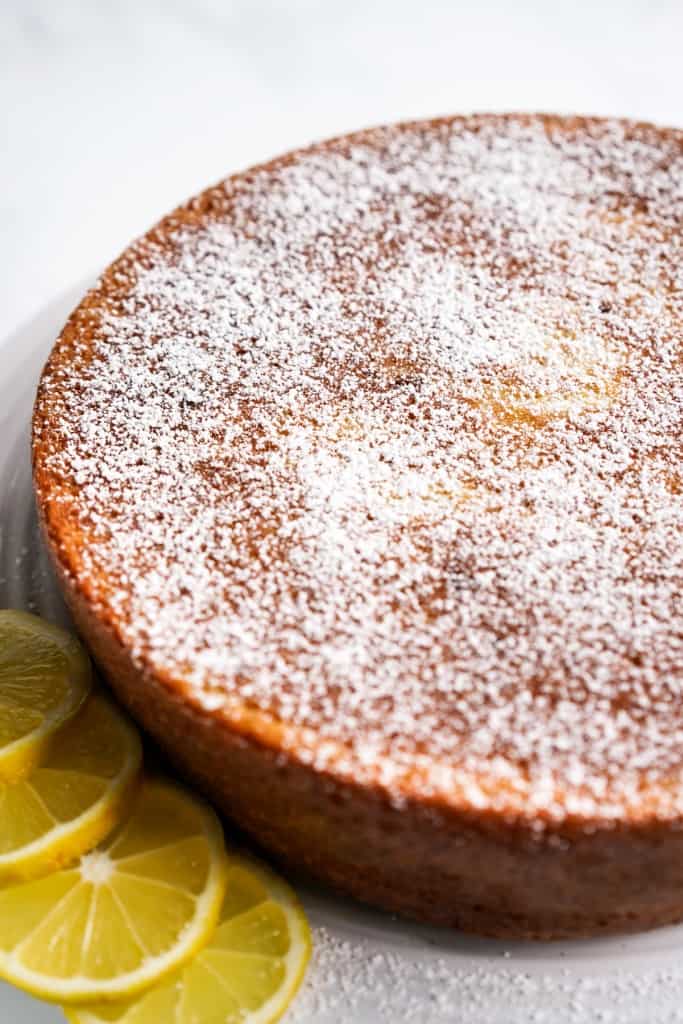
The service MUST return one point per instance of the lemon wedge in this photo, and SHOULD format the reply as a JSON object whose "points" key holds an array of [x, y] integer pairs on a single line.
{"points": [[74, 798], [129, 912], [247, 974], [44, 679]]}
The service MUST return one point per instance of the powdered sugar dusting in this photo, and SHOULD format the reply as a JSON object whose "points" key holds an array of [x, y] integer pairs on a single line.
{"points": [[385, 439], [351, 981]]}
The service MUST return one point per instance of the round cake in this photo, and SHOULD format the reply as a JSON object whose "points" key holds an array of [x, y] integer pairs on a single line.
{"points": [[362, 476]]}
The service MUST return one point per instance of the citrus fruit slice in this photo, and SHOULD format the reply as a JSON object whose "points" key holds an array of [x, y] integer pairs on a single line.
{"points": [[128, 912], [44, 679], [74, 798], [247, 974]]}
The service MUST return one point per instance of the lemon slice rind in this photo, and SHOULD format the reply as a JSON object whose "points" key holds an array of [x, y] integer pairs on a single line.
{"points": [[81, 987], [97, 722], [20, 756], [171, 992]]}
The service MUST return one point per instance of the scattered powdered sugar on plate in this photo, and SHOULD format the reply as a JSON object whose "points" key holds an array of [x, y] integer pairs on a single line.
{"points": [[350, 981], [384, 438]]}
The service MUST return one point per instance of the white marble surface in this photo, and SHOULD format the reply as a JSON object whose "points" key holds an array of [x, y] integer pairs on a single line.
{"points": [[111, 112]]}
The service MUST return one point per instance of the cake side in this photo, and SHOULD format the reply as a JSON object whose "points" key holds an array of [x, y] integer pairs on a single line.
{"points": [[475, 871]]}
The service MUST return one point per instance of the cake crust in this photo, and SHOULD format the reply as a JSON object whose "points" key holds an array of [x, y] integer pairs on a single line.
{"points": [[361, 476]]}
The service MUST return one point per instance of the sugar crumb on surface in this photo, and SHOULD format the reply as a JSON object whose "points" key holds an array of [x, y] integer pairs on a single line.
{"points": [[349, 982]]}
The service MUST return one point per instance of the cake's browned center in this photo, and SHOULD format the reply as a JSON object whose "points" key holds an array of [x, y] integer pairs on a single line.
{"points": [[363, 475]]}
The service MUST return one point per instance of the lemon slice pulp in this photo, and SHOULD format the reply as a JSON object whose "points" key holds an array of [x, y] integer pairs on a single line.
{"points": [[132, 910], [74, 798], [44, 679], [247, 974]]}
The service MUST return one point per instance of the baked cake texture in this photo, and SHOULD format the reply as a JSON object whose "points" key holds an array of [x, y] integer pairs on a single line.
{"points": [[362, 476]]}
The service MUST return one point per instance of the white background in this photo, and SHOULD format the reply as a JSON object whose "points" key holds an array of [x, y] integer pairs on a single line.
{"points": [[112, 112]]}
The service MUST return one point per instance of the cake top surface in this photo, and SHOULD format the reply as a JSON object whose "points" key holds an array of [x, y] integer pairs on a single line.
{"points": [[384, 439]]}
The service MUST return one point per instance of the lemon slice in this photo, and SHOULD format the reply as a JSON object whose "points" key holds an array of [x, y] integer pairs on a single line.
{"points": [[130, 911], [74, 798], [247, 974], [44, 679]]}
